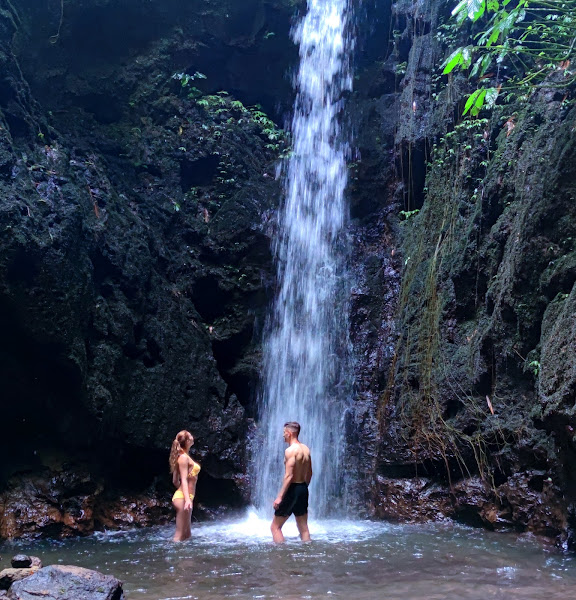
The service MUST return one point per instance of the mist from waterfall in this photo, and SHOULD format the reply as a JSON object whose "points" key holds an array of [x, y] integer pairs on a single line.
{"points": [[306, 374]]}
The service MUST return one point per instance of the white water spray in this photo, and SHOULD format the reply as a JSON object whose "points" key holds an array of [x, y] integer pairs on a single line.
{"points": [[306, 378]]}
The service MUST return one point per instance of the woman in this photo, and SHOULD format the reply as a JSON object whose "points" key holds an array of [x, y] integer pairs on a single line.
{"points": [[184, 475]]}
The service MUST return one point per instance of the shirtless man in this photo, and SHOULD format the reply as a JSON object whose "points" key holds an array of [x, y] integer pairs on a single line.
{"points": [[293, 496]]}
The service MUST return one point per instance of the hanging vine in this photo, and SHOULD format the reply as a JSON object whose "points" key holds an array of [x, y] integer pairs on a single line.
{"points": [[54, 38]]}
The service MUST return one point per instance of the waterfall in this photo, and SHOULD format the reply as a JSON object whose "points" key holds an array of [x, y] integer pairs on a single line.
{"points": [[305, 372]]}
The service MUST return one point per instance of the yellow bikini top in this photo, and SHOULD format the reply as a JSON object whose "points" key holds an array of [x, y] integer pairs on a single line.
{"points": [[193, 472], [194, 468]]}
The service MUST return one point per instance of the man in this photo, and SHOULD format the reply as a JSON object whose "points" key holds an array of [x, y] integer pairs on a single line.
{"points": [[293, 496]]}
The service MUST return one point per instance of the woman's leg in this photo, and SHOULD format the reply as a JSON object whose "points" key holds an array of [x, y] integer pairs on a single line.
{"points": [[188, 531], [182, 521]]}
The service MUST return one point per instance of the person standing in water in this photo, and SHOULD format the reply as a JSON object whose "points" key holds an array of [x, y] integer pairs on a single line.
{"points": [[293, 495], [184, 476]]}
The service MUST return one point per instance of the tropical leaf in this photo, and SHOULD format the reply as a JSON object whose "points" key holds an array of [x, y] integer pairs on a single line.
{"points": [[491, 96], [475, 102], [475, 9], [483, 36], [500, 27], [460, 11], [471, 100], [511, 19], [485, 64], [466, 56], [452, 61], [481, 65], [461, 57]]}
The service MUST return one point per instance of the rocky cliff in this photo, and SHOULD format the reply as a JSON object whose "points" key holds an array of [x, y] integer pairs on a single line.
{"points": [[475, 406], [138, 146], [137, 161]]}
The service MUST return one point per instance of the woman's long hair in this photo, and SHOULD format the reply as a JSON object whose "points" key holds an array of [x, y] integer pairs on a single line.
{"points": [[178, 445]]}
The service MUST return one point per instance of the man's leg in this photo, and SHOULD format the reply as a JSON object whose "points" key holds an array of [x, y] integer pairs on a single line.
{"points": [[302, 524], [276, 529]]}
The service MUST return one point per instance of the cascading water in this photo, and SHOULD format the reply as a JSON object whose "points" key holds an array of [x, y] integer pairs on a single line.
{"points": [[306, 377]]}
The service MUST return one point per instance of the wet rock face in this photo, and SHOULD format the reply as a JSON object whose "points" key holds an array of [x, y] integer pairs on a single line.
{"points": [[413, 500], [134, 253], [515, 504], [98, 55], [65, 503], [374, 190], [480, 386]]}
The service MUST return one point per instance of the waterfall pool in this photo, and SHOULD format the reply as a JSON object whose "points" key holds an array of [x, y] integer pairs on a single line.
{"points": [[360, 560]]}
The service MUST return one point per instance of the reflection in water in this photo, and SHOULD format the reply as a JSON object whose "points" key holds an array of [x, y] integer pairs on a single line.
{"points": [[360, 560]]}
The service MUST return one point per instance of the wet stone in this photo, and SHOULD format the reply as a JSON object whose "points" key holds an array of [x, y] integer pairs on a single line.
{"points": [[64, 582], [21, 561], [9, 576]]}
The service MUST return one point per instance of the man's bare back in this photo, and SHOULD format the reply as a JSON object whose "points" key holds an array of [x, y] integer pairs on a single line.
{"points": [[302, 470]]}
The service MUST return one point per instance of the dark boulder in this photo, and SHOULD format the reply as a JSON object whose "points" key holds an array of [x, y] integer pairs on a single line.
{"points": [[64, 582]]}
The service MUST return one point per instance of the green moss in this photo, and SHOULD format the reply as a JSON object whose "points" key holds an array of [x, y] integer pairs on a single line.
{"points": [[488, 263]]}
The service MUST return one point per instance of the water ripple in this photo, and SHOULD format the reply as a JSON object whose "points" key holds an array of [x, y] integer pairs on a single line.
{"points": [[346, 559]]}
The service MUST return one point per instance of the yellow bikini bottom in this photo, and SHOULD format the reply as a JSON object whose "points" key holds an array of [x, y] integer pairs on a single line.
{"points": [[179, 495]]}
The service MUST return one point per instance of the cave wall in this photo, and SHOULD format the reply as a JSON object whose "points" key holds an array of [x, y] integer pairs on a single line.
{"points": [[474, 409], [135, 267]]}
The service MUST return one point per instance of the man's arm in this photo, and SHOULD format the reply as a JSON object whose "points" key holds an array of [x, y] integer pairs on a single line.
{"points": [[309, 473], [288, 476]]}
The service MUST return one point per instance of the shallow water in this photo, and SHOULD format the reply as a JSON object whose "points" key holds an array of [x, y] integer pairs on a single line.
{"points": [[351, 559]]}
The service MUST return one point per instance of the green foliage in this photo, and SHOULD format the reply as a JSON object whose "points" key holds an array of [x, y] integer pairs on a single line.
{"points": [[185, 80], [461, 57], [407, 214], [534, 366], [226, 112], [478, 99], [521, 41], [400, 68]]}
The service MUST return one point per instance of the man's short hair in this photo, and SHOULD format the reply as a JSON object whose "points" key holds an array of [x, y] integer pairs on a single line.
{"points": [[293, 427]]}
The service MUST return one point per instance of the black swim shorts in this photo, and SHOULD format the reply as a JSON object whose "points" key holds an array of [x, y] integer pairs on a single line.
{"points": [[295, 501]]}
